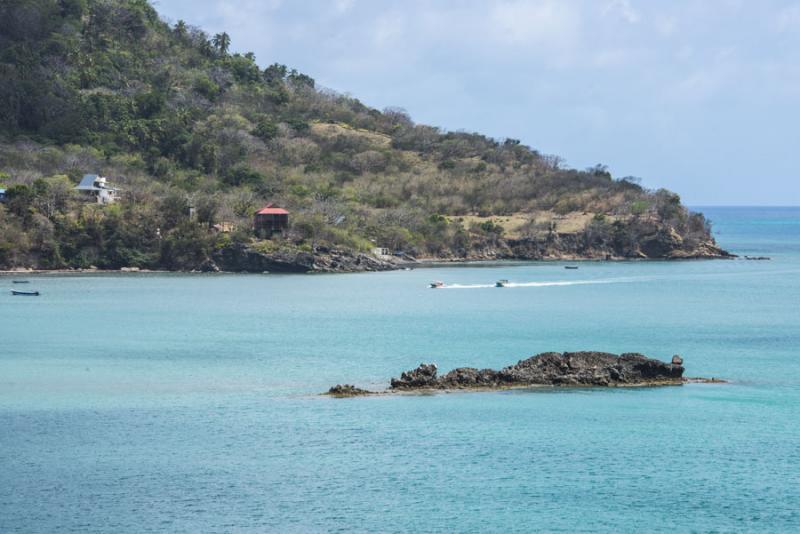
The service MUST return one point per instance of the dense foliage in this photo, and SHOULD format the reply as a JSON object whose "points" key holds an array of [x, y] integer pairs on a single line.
{"points": [[177, 121]]}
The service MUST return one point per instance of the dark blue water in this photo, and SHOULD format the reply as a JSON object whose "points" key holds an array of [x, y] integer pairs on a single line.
{"points": [[169, 403]]}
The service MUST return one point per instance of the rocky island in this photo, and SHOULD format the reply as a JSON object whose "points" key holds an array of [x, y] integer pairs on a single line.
{"points": [[577, 369]]}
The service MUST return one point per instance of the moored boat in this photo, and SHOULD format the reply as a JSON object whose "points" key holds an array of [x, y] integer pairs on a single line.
{"points": [[501, 283], [25, 293], [20, 282], [437, 284], [570, 266]]}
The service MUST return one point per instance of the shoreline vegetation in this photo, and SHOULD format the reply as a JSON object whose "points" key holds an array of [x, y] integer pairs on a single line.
{"points": [[545, 370], [194, 139]]}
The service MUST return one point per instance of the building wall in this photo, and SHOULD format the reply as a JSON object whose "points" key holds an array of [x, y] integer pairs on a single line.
{"points": [[271, 223], [106, 196]]}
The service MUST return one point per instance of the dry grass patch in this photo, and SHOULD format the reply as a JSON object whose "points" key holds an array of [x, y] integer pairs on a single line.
{"points": [[514, 225], [375, 139]]}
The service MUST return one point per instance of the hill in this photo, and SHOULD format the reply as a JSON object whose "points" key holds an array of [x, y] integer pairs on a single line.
{"points": [[197, 139]]}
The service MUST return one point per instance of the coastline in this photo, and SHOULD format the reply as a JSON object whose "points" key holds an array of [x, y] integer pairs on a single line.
{"points": [[248, 261], [421, 263]]}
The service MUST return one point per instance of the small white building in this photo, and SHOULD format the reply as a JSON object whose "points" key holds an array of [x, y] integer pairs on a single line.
{"points": [[381, 252], [97, 187]]}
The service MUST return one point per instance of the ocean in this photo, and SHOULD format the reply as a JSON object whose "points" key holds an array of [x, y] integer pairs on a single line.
{"points": [[190, 403]]}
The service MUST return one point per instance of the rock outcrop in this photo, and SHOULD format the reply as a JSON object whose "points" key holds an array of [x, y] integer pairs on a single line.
{"points": [[348, 390], [651, 241], [240, 258], [550, 369]]}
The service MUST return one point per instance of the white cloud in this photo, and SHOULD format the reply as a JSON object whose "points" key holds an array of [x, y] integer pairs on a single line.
{"points": [[388, 29], [343, 6], [622, 8], [788, 19], [544, 23], [666, 25], [713, 76], [617, 57]]}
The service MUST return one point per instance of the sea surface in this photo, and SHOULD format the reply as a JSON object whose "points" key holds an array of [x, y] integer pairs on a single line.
{"points": [[190, 403]]}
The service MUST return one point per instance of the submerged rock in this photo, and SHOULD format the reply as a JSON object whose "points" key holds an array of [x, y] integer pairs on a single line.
{"points": [[348, 390], [551, 369]]}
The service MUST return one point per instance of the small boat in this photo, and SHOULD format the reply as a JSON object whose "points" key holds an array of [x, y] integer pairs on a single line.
{"points": [[25, 293], [570, 266], [437, 284], [20, 282], [501, 283]]}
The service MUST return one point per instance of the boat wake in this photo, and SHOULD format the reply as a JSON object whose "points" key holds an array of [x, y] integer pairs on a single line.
{"points": [[563, 283], [536, 284]]}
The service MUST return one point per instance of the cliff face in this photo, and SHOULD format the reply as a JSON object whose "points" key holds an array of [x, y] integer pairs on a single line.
{"points": [[660, 245], [241, 258]]}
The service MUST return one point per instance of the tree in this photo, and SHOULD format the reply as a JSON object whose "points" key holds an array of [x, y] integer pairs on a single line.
{"points": [[52, 194], [72, 8], [221, 41], [599, 170], [180, 29], [298, 79], [275, 73], [398, 117], [265, 129]]}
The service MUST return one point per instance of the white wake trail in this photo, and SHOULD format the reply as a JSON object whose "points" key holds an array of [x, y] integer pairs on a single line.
{"points": [[538, 284], [562, 283], [466, 286]]}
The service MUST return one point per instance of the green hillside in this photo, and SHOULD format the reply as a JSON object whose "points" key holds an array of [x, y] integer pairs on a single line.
{"points": [[176, 121]]}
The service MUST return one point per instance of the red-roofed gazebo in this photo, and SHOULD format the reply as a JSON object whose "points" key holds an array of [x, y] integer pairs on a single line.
{"points": [[271, 219]]}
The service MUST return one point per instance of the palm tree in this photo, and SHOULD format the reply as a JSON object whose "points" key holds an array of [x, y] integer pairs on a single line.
{"points": [[180, 28], [222, 41]]}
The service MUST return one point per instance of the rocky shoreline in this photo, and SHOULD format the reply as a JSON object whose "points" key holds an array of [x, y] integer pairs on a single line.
{"points": [[559, 247], [549, 369], [661, 245], [245, 259]]}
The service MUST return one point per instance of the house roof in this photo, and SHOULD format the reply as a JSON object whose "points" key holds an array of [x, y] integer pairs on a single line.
{"points": [[87, 184], [269, 209]]}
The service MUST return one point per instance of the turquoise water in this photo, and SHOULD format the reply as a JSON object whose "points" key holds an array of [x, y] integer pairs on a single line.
{"points": [[174, 403]]}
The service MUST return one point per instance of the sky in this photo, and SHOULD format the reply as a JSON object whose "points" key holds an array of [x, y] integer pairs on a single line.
{"points": [[699, 96]]}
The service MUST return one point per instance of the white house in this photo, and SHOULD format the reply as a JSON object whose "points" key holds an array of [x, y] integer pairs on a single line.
{"points": [[97, 187]]}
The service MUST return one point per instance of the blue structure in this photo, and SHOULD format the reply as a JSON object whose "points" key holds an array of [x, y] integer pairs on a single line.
{"points": [[2, 195]]}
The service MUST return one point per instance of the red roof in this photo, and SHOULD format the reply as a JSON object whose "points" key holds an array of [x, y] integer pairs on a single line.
{"points": [[270, 210]]}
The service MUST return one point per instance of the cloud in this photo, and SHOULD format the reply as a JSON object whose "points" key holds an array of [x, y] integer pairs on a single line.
{"points": [[616, 57], [666, 25], [623, 9], [388, 29], [343, 6], [521, 23], [788, 19]]}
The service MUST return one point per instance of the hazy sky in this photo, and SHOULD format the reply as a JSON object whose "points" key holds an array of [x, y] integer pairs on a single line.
{"points": [[699, 96]]}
